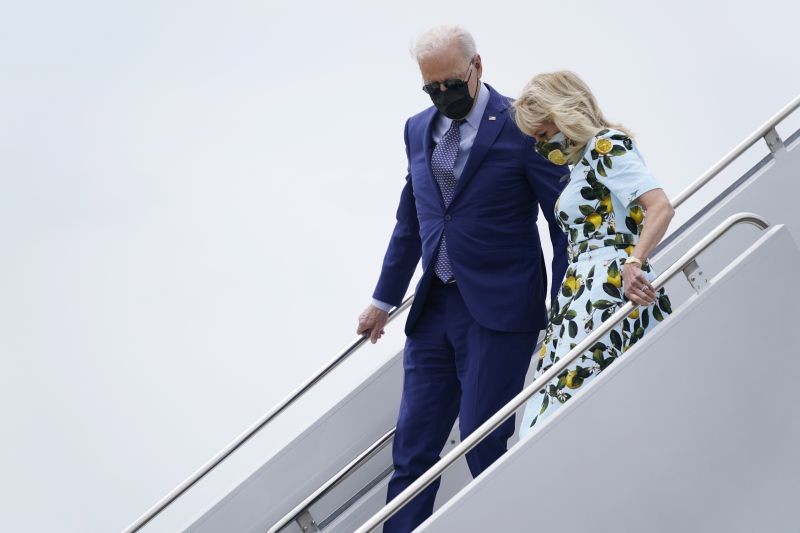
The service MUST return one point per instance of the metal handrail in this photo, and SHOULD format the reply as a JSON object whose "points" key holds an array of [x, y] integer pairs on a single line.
{"points": [[337, 478], [736, 152], [257, 426], [685, 194], [340, 476], [540, 383]]}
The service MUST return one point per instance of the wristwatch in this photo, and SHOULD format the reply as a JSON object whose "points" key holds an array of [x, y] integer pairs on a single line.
{"points": [[633, 259]]}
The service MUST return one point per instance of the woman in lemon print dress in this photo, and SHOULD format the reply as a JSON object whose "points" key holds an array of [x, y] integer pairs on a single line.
{"points": [[614, 213]]}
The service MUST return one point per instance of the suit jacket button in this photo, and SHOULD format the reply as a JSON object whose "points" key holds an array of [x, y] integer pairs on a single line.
{"points": [[448, 217]]}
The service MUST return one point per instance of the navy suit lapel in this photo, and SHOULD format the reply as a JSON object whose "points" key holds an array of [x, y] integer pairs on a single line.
{"points": [[427, 138], [487, 133], [428, 146]]}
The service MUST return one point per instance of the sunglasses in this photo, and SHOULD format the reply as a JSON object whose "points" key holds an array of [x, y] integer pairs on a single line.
{"points": [[433, 88]]}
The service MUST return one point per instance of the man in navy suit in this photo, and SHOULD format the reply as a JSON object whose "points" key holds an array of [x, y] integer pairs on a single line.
{"points": [[468, 210]]}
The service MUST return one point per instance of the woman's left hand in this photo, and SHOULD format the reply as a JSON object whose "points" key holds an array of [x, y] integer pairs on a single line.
{"points": [[636, 286]]}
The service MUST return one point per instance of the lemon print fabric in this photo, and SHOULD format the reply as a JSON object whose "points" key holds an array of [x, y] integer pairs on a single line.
{"points": [[557, 157], [598, 211]]}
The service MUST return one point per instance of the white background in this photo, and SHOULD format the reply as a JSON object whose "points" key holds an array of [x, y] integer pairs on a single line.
{"points": [[195, 198]]}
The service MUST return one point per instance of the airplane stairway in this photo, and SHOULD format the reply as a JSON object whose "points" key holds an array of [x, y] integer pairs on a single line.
{"points": [[692, 430], [696, 430]]}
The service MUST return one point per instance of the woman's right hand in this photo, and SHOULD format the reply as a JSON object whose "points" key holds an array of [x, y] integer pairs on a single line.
{"points": [[636, 286]]}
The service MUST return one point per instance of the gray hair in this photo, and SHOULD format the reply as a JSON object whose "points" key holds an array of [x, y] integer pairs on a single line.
{"points": [[439, 37]]}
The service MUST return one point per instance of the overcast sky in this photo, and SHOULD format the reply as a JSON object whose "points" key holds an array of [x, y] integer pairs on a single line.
{"points": [[195, 198]]}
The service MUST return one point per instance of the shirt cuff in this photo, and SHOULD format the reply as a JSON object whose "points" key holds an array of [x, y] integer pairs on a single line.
{"points": [[383, 306]]}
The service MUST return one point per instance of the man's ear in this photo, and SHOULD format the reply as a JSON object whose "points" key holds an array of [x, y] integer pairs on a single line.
{"points": [[478, 65]]}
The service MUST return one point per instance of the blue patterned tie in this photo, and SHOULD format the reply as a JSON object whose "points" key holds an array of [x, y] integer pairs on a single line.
{"points": [[442, 162]]}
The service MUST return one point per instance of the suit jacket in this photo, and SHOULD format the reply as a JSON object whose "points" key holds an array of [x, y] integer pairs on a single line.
{"points": [[492, 239]]}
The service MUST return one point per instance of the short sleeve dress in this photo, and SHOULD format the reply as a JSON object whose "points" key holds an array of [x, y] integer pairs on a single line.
{"points": [[598, 211]]}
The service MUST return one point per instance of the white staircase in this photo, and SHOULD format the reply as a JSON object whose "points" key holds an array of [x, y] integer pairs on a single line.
{"points": [[696, 430], [693, 430]]}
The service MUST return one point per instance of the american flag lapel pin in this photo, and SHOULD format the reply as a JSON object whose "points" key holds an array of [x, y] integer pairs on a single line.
{"points": [[492, 117]]}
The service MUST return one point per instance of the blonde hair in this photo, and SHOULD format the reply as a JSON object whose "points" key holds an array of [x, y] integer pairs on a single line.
{"points": [[565, 100]]}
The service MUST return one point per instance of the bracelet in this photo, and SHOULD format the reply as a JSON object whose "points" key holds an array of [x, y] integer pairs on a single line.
{"points": [[633, 260]]}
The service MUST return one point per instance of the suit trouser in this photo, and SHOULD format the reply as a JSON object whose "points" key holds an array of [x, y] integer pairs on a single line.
{"points": [[454, 367]]}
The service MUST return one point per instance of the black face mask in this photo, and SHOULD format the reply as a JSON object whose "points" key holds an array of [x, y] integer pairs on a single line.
{"points": [[455, 102]]}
